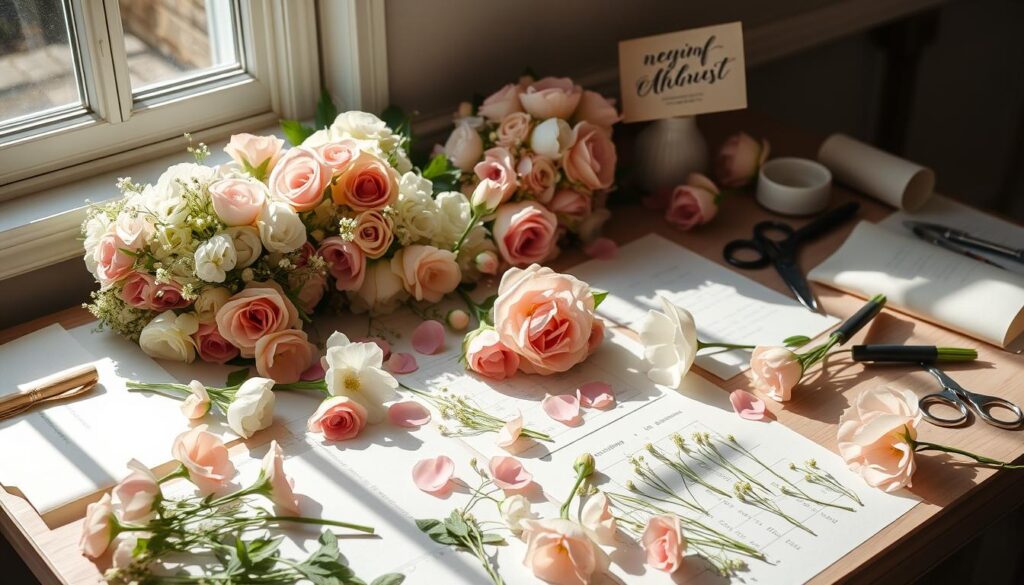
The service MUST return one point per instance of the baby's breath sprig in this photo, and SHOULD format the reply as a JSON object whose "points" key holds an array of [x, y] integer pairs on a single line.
{"points": [[652, 480], [683, 469], [707, 450], [471, 419], [199, 151], [746, 493], [816, 475]]}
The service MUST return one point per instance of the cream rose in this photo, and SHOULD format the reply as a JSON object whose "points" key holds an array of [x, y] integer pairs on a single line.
{"points": [[427, 273], [381, 292], [281, 229], [464, 147], [559, 551], [209, 302], [246, 240], [169, 336], [252, 408], [452, 218], [551, 138]]}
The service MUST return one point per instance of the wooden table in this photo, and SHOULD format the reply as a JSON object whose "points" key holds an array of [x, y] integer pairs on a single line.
{"points": [[957, 500]]}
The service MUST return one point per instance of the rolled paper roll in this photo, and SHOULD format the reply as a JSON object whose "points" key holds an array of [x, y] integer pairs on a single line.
{"points": [[59, 386], [876, 173]]}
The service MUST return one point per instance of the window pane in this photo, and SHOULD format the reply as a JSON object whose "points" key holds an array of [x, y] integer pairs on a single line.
{"points": [[37, 66], [171, 40]]}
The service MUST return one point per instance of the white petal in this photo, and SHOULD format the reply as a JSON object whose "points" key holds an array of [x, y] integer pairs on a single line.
{"points": [[337, 339], [656, 329]]}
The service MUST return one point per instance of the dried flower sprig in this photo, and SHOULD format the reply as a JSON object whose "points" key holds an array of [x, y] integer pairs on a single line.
{"points": [[472, 419], [707, 450], [746, 493], [684, 470], [816, 475], [651, 479]]}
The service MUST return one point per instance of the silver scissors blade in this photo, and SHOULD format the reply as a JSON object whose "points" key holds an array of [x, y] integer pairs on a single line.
{"points": [[797, 282], [955, 395]]}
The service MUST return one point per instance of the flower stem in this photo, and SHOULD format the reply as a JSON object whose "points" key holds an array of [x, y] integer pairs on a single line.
{"points": [[473, 218], [988, 461], [704, 345], [564, 510]]}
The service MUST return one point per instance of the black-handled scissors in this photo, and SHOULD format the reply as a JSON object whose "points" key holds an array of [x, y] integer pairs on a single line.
{"points": [[776, 242]]}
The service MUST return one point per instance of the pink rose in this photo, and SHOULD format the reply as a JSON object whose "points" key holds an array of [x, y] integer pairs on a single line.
{"points": [[283, 355], [112, 263], [538, 176], [488, 356], [739, 160], [597, 110], [486, 197], [498, 166], [664, 543], [876, 436], [238, 201], [300, 179], [560, 552], [337, 156], [259, 309], [551, 97], [374, 233], [369, 183], [137, 493], [596, 336], [775, 371], [570, 205], [346, 262], [212, 346], [525, 232], [205, 458], [689, 207], [501, 103], [282, 488], [339, 418], [166, 295], [545, 317], [590, 161], [253, 151], [311, 287], [135, 290], [97, 528], [514, 129], [134, 229], [427, 273], [464, 147]]}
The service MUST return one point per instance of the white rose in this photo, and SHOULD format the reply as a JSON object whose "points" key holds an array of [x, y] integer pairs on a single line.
{"points": [[167, 205], [382, 290], [551, 138], [247, 244], [169, 337], [281, 229], [417, 213], [209, 302], [453, 217], [464, 147], [361, 125], [413, 185], [173, 240], [215, 257], [166, 199], [514, 510], [252, 408], [95, 228]]}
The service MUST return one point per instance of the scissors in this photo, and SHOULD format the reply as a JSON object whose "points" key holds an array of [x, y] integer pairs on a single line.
{"points": [[776, 242], [956, 396]]}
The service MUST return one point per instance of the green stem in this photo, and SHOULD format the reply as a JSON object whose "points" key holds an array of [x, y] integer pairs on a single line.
{"points": [[924, 446], [564, 510], [181, 471], [704, 345], [304, 385], [473, 218]]}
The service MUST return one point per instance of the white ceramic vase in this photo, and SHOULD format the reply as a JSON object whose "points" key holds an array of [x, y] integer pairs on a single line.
{"points": [[667, 151]]}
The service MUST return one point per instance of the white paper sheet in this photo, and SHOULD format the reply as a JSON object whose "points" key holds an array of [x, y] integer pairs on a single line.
{"points": [[727, 306]]}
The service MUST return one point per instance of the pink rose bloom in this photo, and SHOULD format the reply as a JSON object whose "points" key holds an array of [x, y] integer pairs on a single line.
{"points": [[876, 437], [570, 206], [545, 317], [560, 552], [259, 309], [97, 528], [551, 97], [664, 543], [133, 229], [464, 147], [238, 201], [337, 156], [252, 151], [205, 458], [135, 290], [498, 166], [311, 289], [514, 129], [488, 356], [596, 336], [525, 232], [283, 355], [538, 175], [137, 492], [501, 103], [300, 179], [282, 488], [212, 346], [369, 183], [374, 233], [487, 196], [112, 264], [166, 295], [597, 110], [346, 262], [427, 273], [689, 207], [739, 160], [339, 418], [590, 161], [775, 371]]}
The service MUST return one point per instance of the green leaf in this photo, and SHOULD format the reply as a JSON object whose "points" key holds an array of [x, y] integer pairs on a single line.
{"points": [[326, 111], [243, 553], [495, 539], [427, 524], [456, 524], [237, 377], [263, 549], [442, 174], [389, 579], [599, 297], [296, 132], [796, 341], [329, 545]]}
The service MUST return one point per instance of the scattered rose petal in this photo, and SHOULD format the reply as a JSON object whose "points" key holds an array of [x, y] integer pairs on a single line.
{"points": [[509, 433], [565, 408], [408, 413], [747, 405], [315, 372], [602, 249], [381, 343], [508, 473], [595, 395], [401, 363], [428, 338], [433, 474]]}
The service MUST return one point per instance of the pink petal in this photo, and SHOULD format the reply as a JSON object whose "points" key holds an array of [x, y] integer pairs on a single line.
{"points": [[433, 474], [565, 408], [595, 395], [602, 249], [509, 433], [408, 413], [401, 363], [747, 405], [381, 343], [508, 473], [428, 338], [315, 372]]}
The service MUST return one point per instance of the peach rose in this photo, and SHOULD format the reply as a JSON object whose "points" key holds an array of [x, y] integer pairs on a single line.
{"points": [[112, 263], [166, 295], [690, 206], [427, 273], [597, 110], [135, 290], [664, 543], [283, 355], [97, 528], [551, 97], [487, 196], [254, 151], [137, 492], [337, 156], [300, 179], [498, 166], [238, 201], [346, 262], [259, 309], [374, 233], [212, 346], [282, 488], [464, 147], [369, 183], [570, 205], [545, 317], [514, 129], [775, 371], [525, 232], [488, 356], [739, 160], [559, 551], [538, 175], [310, 286], [339, 418], [876, 436], [501, 103], [205, 458], [590, 161], [382, 290]]}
